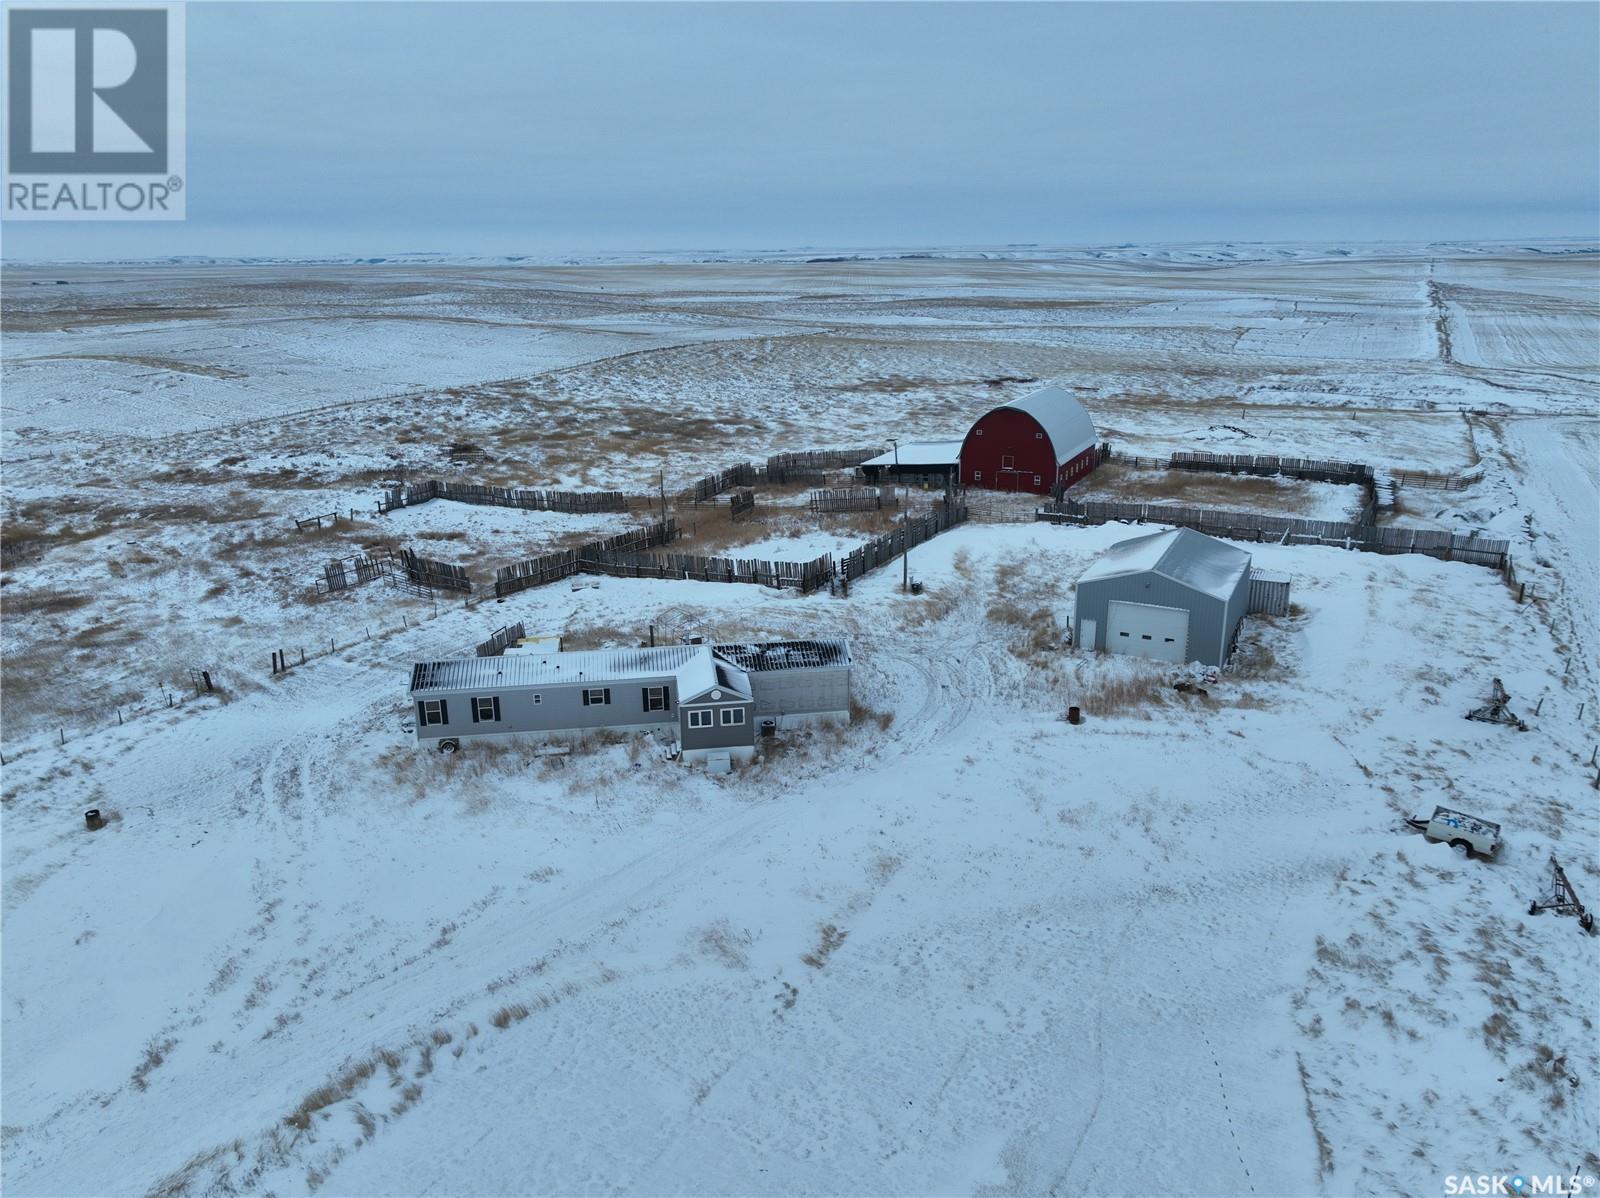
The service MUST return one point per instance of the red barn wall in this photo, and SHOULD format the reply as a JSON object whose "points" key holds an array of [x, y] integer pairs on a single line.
{"points": [[1007, 436]]}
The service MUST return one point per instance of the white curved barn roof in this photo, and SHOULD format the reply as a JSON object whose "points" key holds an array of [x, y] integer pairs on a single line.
{"points": [[1065, 421]]}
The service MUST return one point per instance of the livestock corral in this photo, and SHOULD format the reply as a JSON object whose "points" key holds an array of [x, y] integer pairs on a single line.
{"points": [[909, 728]]}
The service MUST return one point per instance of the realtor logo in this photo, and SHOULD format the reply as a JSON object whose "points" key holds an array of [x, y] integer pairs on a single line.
{"points": [[94, 112]]}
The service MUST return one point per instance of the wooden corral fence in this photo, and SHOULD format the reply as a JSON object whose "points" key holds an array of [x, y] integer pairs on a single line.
{"points": [[425, 574], [1267, 465], [745, 474], [463, 452], [1269, 593], [1287, 530], [886, 548], [495, 646], [581, 502], [1432, 482], [741, 505], [853, 499], [331, 518], [804, 577], [341, 573], [564, 563], [813, 465]]}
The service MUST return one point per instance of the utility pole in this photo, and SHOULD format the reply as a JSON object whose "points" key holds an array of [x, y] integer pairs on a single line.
{"points": [[905, 530]]}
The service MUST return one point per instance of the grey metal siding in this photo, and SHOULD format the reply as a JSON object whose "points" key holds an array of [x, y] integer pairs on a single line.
{"points": [[719, 735], [1207, 640], [1269, 594], [560, 709], [810, 691], [1238, 606]]}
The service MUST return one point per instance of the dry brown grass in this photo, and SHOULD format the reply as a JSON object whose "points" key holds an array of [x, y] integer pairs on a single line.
{"points": [[1239, 492], [829, 939]]}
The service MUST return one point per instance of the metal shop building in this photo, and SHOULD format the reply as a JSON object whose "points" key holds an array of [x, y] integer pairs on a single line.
{"points": [[712, 699], [1039, 443], [1175, 596]]}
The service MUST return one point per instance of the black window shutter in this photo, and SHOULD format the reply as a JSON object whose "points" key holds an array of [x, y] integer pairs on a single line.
{"points": [[473, 704], [444, 712], [497, 709], [645, 691], [608, 694], [586, 696], [422, 714]]}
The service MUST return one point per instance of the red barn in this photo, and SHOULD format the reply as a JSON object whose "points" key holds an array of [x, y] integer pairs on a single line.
{"points": [[1042, 441]]}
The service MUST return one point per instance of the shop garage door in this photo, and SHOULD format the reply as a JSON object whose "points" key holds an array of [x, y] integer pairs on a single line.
{"points": [[1144, 630]]}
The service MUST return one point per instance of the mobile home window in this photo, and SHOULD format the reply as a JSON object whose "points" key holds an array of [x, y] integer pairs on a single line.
{"points": [[655, 698], [699, 719], [486, 709], [434, 711], [597, 696], [732, 715]]}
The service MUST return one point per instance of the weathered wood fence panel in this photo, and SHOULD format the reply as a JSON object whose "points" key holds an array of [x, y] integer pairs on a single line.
{"points": [[579, 502], [891, 545], [427, 574], [1267, 465], [331, 518], [800, 576], [499, 639], [563, 563], [806, 465], [852, 499], [745, 474], [341, 574], [741, 505], [1432, 482], [1288, 530]]}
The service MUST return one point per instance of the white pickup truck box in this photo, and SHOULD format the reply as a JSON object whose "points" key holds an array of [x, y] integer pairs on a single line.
{"points": [[1460, 831]]}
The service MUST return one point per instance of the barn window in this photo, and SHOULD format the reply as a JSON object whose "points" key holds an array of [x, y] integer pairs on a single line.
{"points": [[655, 698], [977, 432], [699, 719], [597, 696], [486, 709], [1038, 436], [434, 711], [1036, 480], [1008, 461], [977, 476], [732, 715]]}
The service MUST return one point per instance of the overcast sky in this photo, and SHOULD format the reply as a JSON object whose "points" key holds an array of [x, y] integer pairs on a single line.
{"points": [[541, 129]]}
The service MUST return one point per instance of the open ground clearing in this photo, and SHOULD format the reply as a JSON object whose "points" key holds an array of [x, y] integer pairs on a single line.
{"points": [[956, 946]]}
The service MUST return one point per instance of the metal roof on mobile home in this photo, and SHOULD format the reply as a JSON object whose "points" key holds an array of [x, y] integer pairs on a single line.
{"points": [[786, 655], [528, 669]]}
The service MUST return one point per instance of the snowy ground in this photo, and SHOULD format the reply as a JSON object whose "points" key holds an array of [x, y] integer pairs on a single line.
{"points": [[959, 946]]}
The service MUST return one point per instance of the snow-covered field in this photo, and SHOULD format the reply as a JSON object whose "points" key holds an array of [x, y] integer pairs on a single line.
{"points": [[959, 946]]}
